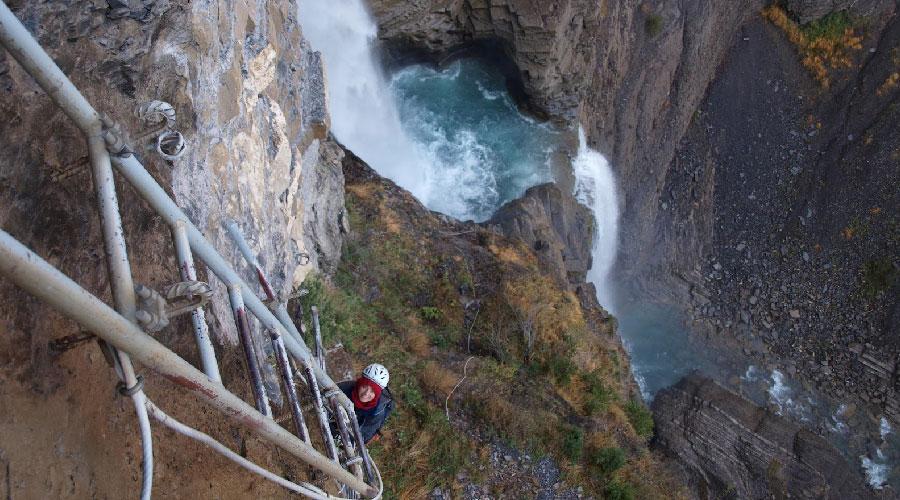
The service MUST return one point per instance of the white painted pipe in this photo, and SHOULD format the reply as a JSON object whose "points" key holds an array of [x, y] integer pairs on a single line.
{"points": [[122, 286], [28, 52], [45, 282], [236, 297], [198, 317], [25, 49], [303, 488]]}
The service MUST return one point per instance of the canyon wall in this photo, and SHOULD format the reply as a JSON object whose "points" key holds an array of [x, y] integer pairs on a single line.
{"points": [[756, 200]]}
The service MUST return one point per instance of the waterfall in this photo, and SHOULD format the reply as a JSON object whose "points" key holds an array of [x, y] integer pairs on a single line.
{"points": [[363, 110], [595, 187], [451, 135]]}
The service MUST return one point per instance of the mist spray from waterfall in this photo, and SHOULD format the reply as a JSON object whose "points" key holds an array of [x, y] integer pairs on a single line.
{"points": [[364, 114], [595, 187]]}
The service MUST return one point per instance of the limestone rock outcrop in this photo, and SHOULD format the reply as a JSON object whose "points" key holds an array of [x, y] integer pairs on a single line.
{"points": [[735, 449], [555, 225]]}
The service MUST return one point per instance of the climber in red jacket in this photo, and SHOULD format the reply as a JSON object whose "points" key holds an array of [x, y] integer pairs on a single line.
{"points": [[372, 400]]}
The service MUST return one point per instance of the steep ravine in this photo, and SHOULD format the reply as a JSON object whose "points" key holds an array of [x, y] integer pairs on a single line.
{"points": [[773, 233], [549, 407]]}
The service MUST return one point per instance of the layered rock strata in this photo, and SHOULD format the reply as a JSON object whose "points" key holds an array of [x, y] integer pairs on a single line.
{"points": [[735, 449]]}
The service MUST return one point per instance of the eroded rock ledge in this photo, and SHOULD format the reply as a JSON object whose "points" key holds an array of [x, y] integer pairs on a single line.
{"points": [[735, 449]]}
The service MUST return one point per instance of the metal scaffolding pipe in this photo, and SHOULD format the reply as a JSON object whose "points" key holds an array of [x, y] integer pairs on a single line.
{"points": [[364, 451], [45, 282], [319, 402], [320, 349], [29, 53], [143, 182], [340, 415], [198, 317], [22, 46], [243, 326], [290, 388], [32, 57], [122, 287], [305, 489], [281, 357]]}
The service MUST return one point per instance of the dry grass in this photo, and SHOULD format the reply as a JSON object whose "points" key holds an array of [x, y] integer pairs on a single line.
{"points": [[417, 458], [889, 84], [417, 341], [821, 53], [651, 480], [508, 254], [438, 380]]}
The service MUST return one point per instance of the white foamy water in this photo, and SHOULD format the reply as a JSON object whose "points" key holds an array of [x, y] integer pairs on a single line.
{"points": [[450, 135], [884, 428], [876, 469], [363, 111], [595, 187], [837, 424], [783, 397]]}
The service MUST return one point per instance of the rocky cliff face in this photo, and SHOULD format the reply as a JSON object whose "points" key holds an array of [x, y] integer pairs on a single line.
{"points": [[249, 97], [735, 449], [632, 73], [802, 255]]}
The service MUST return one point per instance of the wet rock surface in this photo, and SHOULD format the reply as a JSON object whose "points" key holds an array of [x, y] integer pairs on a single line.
{"points": [[735, 449]]}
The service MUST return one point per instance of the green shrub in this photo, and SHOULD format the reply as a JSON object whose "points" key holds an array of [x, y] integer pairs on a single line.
{"points": [[878, 276], [343, 316], [412, 398], [598, 395], [430, 313], [653, 25], [573, 443], [617, 490], [562, 368], [607, 460], [830, 27], [640, 417]]}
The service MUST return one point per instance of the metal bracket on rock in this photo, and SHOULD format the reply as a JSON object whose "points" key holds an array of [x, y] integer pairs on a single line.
{"points": [[156, 113], [115, 138], [185, 296], [160, 116], [154, 310]]}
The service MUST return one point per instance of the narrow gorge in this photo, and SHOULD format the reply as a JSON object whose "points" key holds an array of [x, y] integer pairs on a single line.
{"points": [[607, 249]]}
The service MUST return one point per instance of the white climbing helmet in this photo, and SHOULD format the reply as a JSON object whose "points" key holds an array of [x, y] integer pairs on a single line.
{"points": [[377, 373]]}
